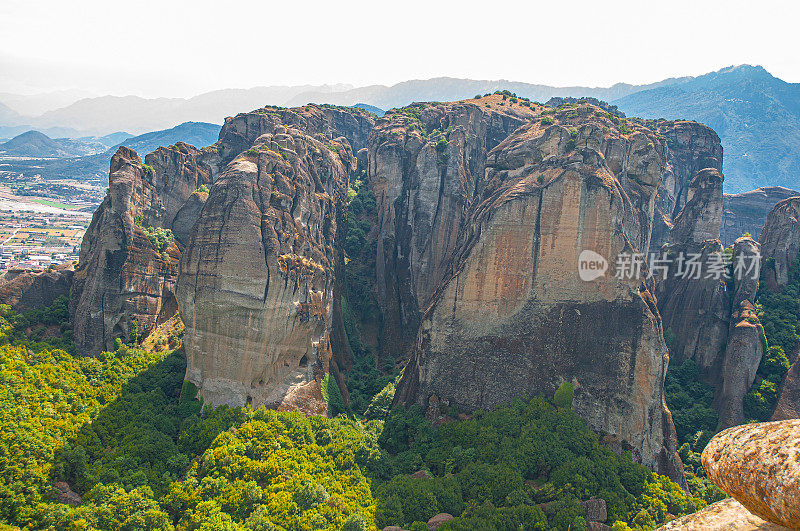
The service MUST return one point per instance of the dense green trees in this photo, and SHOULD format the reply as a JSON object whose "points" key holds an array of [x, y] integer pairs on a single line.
{"points": [[126, 433], [779, 313], [505, 464]]}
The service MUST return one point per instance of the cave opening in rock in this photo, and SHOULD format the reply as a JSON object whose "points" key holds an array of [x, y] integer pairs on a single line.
{"points": [[304, 361]]}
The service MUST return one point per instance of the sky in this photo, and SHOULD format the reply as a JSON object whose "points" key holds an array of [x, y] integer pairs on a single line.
{"points": [[180, 49]]}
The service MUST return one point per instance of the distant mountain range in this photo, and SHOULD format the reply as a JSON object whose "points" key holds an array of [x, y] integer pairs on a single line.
{"points": [[35, 144], [756, 115], [95, 166]]}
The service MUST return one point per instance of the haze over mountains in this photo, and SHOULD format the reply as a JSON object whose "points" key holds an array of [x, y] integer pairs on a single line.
{"points": [[756, 115], [71, 162]]}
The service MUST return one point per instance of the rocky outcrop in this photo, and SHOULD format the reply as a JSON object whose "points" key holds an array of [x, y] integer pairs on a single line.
{"points": [[23, 289], [746, 213], [514, 316], [123, 277], [257, 283], [241, 131], [438, 521], [780, 244], [427, 165], [759, 465], [694, 306], [692, 147], [185, 218], [707, 317], [788, 406], [780, 241], [745, 345], [725, 515]]}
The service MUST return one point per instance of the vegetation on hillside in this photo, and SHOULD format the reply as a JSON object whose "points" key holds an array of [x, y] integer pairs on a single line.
{"points": [[368, 375], [779, 313], [128, 435]]}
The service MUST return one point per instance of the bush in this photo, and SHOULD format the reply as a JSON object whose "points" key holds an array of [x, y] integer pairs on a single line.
{"points": [[563, 395]]}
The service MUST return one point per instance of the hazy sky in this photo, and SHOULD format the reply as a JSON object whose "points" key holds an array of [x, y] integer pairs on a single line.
{"points": [[164, 48]]}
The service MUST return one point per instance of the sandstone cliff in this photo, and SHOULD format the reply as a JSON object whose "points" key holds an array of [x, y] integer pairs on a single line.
{"points": [[426, 166], [257, 283], [710, 315], [780, 241], [23, 289], [746, 213], [692, 147], [512, 316], [126, 273], [780, 244], [241, 131]]}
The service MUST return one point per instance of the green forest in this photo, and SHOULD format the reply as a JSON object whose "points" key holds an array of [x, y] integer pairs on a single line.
{"points": [[121, 441], [125, 433], [690, 400]]}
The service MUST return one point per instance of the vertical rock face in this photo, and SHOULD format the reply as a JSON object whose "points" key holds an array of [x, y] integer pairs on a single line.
{"points": [[746, 213], [696, 307], [256, 290], [179, 171], [426, 167], [708, 318], [23, 289], [241, 131], [744, 348], [780, 245], [514, 316], [692, 147], [121, 277], [780, 240]]}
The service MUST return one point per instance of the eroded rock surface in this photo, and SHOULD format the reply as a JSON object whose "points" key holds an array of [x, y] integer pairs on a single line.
{"points": [[780, 244], [780, 241], [23, 289], [515, 318], [241, 131], [707, 317], [759, 465], [725, 515], [121, 276], [746, 213], [692, 147], [427, 165], [257, 282]]}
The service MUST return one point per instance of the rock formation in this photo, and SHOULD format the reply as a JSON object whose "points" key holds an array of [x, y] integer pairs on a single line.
{"points": [[746, 213], [426, 168], [122, 278], [513, 316], [780, 241], [759, 465], [780, 244], [24, 289], [241, 131], [257, 283], [725, 515], [708, 318], [692, 147]]}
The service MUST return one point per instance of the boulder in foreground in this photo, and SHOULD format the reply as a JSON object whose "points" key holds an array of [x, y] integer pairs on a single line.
{"points": [[725, 515], [759, 465]]}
